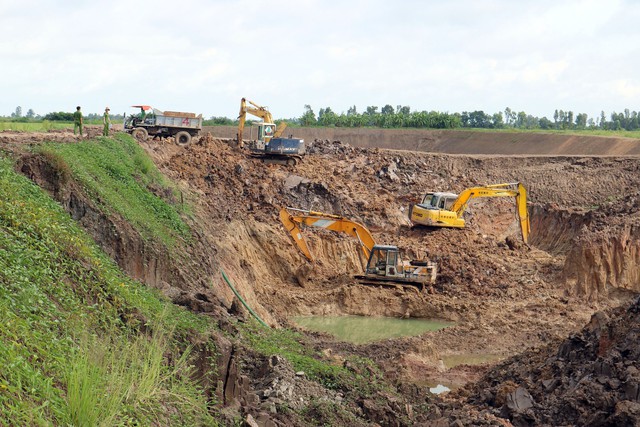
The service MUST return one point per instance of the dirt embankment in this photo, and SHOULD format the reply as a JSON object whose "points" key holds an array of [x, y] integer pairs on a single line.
{"points": [[591, 378], [462, 141]]}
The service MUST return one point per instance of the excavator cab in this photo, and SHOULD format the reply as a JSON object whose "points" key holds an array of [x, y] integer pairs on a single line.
{"points": [[265, 132], [385, 264], [383, 261], [438, 200]]}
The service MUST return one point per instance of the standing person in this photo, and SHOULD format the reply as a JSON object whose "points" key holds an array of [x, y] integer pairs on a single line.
{"points": [[77, 120], [106, 121]]}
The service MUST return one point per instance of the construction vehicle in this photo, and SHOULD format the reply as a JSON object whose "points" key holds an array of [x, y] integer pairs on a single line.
{"points": [[269, 145], [156, 123], [384, 264], [440, 209]]}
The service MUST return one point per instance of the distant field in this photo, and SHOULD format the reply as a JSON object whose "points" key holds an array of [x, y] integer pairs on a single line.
{"points": [[44, 126]]}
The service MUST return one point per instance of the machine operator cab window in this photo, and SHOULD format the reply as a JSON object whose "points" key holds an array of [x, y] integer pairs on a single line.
{"points": [[438, 200], [266, 131], [429, 201], [383, 261]]}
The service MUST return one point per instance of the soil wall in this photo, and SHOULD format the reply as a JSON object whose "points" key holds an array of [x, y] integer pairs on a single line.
{"points": [[461, 141]]}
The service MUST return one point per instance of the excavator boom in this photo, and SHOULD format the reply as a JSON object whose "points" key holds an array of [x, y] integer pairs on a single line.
{"points": [[328, 221], [384, 265]]}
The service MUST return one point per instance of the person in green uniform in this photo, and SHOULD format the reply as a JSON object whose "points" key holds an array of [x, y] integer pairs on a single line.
{"points": [[77, 120], [106, 121]]}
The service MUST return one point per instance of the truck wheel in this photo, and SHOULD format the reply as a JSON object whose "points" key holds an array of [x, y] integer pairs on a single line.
{"points": [[140, 134], [183, 138]]}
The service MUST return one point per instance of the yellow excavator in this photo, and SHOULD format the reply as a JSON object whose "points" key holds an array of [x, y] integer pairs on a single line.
{"points": [[267, 129], [269, 144], [384, 262], [440, 209]]}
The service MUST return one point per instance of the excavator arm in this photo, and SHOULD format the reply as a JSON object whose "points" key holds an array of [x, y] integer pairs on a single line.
{"points": [[335, 223], [260, 112], [515, 189]]}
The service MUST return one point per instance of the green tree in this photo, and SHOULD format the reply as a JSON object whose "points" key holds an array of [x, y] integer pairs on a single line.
{"points": [[581, 121], [387, 109], [309, 117], [545, 123], [497, 120], [603, 120]]}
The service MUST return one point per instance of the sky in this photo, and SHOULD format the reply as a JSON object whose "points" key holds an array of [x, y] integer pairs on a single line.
{"points": [[203, 56]]}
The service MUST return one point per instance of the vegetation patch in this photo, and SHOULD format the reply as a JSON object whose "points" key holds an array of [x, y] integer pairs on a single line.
{"points": [[72, 345], [357, 374], [118, 175]]}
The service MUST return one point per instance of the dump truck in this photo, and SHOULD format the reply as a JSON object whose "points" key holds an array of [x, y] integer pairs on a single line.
{"points": [[156, 123]]}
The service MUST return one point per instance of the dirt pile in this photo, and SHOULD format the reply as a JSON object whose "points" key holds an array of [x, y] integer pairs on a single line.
{"points": [[591, 378]]}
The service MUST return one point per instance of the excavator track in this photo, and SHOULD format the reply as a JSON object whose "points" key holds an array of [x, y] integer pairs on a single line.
{"points": [[364, 280]]}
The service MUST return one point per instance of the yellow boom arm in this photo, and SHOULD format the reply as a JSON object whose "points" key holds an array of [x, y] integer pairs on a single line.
{"points": [[498, 190], [328, 221], [258, 111]]}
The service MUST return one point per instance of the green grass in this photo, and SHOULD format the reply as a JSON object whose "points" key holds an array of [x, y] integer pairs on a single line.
{"points": [[71, 350], [118, 175], [357, 378], [43, 126], [46, 125], [292, 346]]}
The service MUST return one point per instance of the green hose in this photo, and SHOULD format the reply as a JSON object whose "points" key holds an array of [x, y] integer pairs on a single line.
{"points": [[224, 276]]}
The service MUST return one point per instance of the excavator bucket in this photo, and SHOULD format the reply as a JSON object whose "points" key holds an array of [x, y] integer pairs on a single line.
{"points": [[523, 214], [294, 230]]}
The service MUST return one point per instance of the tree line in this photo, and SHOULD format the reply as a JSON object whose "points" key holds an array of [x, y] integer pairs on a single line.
{"points": [[404, 117]]}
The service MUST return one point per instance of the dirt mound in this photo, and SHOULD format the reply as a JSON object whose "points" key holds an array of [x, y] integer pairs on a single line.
{"points": [[591, 378]]}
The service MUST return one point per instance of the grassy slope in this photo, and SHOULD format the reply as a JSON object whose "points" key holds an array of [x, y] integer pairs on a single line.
{"points": [[70, 346]]}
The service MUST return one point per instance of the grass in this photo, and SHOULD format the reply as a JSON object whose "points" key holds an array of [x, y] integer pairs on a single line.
{"points": [[46, 125], [293, 346], [118, 175], [357, 378], [71, 350], [43, 126]]}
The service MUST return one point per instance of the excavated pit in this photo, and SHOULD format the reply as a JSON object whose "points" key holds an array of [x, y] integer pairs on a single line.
{"points": [[504, 296]]}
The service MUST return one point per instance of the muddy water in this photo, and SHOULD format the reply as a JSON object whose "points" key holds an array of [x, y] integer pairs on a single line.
{"points": [[360, 329]]}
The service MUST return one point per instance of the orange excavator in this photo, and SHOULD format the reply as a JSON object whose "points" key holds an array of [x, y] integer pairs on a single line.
{"points": [[384, 266]]}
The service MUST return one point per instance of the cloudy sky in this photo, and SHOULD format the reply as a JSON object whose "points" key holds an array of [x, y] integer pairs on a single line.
{"points": [[204, 55]]}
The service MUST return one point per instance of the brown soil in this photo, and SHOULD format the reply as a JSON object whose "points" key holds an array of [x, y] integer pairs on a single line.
{"points": [[505, 297]]}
